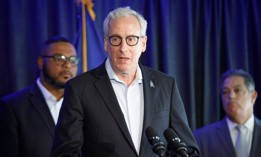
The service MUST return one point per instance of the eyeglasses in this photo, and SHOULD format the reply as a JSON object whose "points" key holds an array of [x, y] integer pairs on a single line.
{"points": [[61, 59], [131, 40]]}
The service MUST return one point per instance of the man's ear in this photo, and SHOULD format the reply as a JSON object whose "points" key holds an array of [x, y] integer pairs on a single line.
{"points": [[105, 44], [254, 96], [40, 62], [144, 43]]}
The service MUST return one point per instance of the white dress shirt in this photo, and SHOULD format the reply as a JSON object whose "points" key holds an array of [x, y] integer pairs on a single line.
{"points": [[131, 101], [52, 103]]}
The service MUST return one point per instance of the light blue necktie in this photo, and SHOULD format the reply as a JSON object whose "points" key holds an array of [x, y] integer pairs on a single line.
{"points": [[241, 146]]}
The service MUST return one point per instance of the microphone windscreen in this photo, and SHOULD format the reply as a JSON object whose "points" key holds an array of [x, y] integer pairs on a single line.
{"points": [[170, 135], [150, 133], [158, 147]]}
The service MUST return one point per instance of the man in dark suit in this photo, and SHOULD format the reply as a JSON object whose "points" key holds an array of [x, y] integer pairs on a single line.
{"points": [[221, 139], [28, 117], [106, 110]]}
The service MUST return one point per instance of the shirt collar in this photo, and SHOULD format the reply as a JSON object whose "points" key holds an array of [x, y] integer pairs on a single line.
{"points": [[249, 124], [47, 95]]}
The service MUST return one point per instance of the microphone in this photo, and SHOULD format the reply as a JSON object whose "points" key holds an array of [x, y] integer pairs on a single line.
{"points": [[174, 143], [157, 146]]}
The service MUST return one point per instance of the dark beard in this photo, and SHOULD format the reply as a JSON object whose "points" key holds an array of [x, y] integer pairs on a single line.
{"points": [[51, 80]]}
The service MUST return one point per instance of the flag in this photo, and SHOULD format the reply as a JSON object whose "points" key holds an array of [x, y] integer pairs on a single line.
{"points": [[89, 42]]}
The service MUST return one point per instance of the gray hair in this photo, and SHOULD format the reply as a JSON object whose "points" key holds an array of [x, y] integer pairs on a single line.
{"points": [[248, 79], [125, 12]]}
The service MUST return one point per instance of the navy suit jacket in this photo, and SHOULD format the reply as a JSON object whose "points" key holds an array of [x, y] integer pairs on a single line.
{"points": [[214, 140], [26, 124], [91, 120]]}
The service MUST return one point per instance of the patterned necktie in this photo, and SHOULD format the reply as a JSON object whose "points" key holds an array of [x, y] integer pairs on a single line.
{"points": [[241, 147]]}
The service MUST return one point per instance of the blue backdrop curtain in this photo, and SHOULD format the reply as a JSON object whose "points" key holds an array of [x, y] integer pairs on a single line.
{"points": [[193, 40]]}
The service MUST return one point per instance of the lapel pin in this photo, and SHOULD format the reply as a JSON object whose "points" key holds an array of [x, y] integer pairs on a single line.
{"points": [[151, 84]]}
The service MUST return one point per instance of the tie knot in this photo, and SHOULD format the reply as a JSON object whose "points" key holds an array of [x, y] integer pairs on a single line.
{"points": [[239, 128]]}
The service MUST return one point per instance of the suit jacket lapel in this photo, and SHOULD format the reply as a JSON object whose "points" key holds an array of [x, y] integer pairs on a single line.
{"points": [[255, 147], [105, 88], [149, 90], [223, 135], [39, 103]]}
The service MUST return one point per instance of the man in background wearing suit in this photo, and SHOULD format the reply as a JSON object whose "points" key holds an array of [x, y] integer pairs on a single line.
{"points": [[28, 117], [221, 139], [106, 110]]}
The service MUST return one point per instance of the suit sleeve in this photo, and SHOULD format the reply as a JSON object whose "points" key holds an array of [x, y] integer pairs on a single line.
{"points": [[179, 122], [8, 131], [69, 133]]}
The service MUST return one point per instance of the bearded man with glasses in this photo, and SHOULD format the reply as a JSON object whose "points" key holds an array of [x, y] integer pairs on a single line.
{"points": [[28, 117]]}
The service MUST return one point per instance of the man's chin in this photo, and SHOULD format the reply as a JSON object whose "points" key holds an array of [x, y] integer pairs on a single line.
{"points": [[59, 85]]}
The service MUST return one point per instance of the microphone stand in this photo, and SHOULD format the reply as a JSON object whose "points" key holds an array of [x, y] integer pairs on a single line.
{"points": [[180, 150], [170, 152]]}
